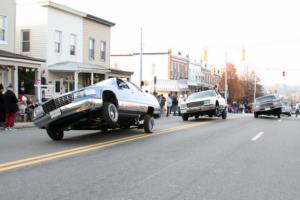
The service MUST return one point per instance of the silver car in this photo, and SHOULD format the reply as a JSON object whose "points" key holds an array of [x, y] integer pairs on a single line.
{"points": [[208, 102], [267, 105], [112, 103]]}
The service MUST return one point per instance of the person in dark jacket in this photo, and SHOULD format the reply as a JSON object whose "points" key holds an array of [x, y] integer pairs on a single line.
{"points": [[11, 105], [2, 107]]}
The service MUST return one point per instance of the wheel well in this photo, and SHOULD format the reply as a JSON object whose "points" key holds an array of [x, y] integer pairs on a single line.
{"points": [[150, 110], [109, 96]]}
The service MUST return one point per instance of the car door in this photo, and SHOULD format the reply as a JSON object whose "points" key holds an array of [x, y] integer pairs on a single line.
{"points": [[140, 98], [126, 96]]}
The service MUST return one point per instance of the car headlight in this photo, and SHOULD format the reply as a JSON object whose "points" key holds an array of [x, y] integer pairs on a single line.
{"points": [[85, 92], [38, 111], [79, 94], [207, 102]]}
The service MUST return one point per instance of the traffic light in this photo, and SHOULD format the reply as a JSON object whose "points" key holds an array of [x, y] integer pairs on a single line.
{"points": [[283, 73]]}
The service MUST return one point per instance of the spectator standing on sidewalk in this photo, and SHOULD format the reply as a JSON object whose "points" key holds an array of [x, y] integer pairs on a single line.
{"points": [[169, 104], [162, 103], [297, 108], [2, 108], [11, 105], [175, 103]]}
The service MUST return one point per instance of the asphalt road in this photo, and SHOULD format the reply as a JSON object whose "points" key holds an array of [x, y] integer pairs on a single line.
{"points": [[238, 158]]}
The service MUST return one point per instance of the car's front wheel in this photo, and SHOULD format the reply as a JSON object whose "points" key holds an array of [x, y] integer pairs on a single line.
{"points": [[110, 113], [185, 117], [255, 115], [278, 115], [55, 133], [224, 114], [148, 123]]}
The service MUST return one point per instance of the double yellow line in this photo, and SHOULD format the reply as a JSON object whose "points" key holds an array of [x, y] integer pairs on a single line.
{"points": [[78, 150]]}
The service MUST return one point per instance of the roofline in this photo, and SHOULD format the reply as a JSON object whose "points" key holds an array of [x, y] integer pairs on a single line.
{"points": [[99, 20], [62, 8], [134, 54]]}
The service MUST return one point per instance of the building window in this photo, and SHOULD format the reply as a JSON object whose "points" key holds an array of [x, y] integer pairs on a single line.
{"points": [[57, 41], [25, 40], [103, 50], [92, 49], [3, 29], [72, 44]]}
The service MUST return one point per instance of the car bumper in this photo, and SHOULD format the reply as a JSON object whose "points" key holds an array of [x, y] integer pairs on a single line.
{"points": [[271, 111], [75, 107], [198, 109]]}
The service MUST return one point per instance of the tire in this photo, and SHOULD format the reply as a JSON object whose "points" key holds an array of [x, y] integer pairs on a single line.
{"points": [[289, 114], [185, 117], [255, 115], [148, 123], [104, 129], [196, 116], [278, 116], [224, 114], [110, 113], [217, 110], [55, 134], [210, 115]]}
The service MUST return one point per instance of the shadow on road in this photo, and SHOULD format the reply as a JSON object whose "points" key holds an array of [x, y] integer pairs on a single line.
{"points": [[74, 138]]}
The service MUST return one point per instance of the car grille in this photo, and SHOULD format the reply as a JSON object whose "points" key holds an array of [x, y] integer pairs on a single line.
{"points": [[195, 104], [57, 103], [269, 104]]}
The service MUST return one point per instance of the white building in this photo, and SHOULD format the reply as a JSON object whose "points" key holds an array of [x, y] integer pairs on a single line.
{"points": [[15, 68], [196, 77], [75, 45]]}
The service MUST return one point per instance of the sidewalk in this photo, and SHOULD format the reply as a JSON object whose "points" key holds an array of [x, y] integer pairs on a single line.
{"points": [[20, 125]]}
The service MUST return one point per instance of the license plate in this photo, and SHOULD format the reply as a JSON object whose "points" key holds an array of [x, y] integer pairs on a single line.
{"points": [[55, 113], [267, 108]]}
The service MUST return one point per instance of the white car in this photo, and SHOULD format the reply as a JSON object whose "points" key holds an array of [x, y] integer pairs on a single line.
{"points": [[286, 108], [208, 102], [112, 103]]}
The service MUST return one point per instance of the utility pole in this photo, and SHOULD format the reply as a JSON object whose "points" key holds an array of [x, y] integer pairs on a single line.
{"points": [[141, 59], [254, 95], [226, 86]]}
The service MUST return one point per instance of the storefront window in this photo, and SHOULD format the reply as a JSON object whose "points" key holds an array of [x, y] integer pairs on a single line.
{"points": [[28, 76]]}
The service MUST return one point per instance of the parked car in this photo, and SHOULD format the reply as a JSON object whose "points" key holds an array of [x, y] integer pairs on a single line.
{"points": [[208, 102], [286, 108], [112, 103], [267, 105]]}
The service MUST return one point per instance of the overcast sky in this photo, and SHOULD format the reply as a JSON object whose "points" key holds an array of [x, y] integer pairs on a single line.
{"points": [[268, 30]]}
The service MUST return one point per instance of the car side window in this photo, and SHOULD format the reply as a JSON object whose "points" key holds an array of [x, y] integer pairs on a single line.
{"points": [[121, 84], [134, 87]]}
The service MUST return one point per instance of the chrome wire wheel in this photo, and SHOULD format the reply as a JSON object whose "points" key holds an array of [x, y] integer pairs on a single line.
{"points": [[113, 112]]}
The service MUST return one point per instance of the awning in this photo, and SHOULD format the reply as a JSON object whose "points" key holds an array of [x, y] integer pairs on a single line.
{"points": [[78, 67], [171, 85]]}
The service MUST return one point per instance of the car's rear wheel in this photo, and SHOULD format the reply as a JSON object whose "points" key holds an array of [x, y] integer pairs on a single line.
{"points": [[196, 116], [55, 133], [255, 115], [148, 123], [224, 114], [278, 116], [217, 110], [110, 113], [185, 117]]}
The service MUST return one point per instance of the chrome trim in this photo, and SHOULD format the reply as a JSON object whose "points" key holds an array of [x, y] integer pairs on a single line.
{"points": [[70, 109]]}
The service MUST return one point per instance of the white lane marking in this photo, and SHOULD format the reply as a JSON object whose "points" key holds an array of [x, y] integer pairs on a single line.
{"points": [[257, 136]]}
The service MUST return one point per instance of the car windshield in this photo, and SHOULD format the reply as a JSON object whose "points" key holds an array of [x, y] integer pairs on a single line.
{"points": [[265, 98], [204, 94]]}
